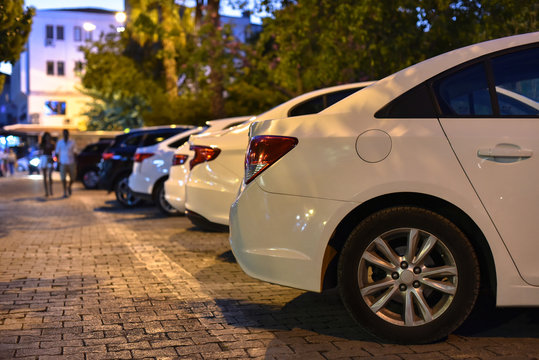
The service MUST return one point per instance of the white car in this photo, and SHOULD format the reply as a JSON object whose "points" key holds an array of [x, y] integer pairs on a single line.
{"points": [[179, 171], [151, 168], [217, 169], [409, 195]]}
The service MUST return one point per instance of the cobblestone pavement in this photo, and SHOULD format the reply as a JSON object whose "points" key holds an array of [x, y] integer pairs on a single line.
{"points": [[82, 278]]}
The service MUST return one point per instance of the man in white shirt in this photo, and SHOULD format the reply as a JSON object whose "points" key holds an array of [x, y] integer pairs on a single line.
{"points": [[65, 151]]}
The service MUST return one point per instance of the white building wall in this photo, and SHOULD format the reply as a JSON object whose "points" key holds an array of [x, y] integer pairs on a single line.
{"points": [[32, 86], [44, 87]]}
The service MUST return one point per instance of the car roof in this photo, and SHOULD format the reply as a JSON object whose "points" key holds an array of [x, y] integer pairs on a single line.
{"points": [[392, 86], [226, 122]]}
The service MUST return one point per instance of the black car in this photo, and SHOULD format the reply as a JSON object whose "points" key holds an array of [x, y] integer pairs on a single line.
{"points": [[117, 160], [87, 163]]}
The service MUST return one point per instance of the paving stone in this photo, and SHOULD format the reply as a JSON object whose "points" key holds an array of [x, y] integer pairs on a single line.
{"points": [[84, 278]]}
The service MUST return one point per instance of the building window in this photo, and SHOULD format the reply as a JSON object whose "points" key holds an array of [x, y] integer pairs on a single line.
{"points": [[55, 107], [59, 32], [49, 35], [49, 32], [50, 67], [78, 66], [88, 35], [77, 33], [60, 68]]}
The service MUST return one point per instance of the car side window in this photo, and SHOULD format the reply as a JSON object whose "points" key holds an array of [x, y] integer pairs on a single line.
{"points": [[319, 103], [464, 93], [156, 138], [132, 141], [311, 106], [516, 77], [176, 144], [337, 96]]}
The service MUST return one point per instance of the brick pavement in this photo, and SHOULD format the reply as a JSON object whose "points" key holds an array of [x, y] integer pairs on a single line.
{"points": [[82, 278]]}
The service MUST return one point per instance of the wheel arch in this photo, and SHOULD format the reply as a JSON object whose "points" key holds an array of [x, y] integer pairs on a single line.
{"points": [[161, 180], [429, 202], [120, 176]]}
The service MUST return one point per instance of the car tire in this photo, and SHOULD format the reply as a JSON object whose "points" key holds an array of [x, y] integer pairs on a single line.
{"points": [[161, 202], [123, 194], [90, 179], [408, 275]]}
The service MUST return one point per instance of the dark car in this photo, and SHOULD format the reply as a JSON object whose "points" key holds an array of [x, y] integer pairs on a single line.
{"points": [[87, 163], [117, 160]]}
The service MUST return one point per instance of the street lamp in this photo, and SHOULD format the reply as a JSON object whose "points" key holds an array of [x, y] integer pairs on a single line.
{"points": [[120, 17]]}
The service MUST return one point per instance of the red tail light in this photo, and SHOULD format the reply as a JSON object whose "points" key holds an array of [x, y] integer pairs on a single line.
{"points": [[141, 156], [203, 154], [179, 159], [107, 156], [264, 151]]}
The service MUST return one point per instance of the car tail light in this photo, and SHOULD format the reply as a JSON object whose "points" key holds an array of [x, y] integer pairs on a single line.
{"points": [[107, 156], [203, 154], [263, 151], [179, 159], [139, 157]]}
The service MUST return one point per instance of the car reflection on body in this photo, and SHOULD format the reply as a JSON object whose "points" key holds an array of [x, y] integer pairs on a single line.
{"points": [[408, 195], [174, 186]]}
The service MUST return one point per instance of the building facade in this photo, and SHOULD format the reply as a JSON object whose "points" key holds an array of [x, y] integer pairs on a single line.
{"points": [[43, 88], [44, 82]]}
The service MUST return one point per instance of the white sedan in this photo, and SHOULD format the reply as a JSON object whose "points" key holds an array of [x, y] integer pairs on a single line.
{"points": [[217, 168], [151, 167], [409, 195], [174, 186]]}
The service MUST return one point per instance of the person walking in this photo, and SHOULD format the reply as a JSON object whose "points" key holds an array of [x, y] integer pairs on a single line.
{"points": [[11, 160], [65, 151], [46, 162]]}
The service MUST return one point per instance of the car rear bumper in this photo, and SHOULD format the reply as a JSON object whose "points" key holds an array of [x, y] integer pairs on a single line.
{"points": [[282, 238], [175, 187], [202, 222]]}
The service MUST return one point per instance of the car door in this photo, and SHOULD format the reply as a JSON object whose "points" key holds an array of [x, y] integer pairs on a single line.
{"points": [[491, 118]]}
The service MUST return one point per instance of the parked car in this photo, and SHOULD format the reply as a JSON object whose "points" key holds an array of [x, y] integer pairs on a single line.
{"points": [[218, 163], [87, 163], [409, 195], [151, 168], [179, 171], [117, 160]]}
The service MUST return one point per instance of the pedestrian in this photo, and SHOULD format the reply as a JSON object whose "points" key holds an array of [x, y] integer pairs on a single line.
{"points": [[2, 162], [46, 162], [11, 160], [65, 151]]}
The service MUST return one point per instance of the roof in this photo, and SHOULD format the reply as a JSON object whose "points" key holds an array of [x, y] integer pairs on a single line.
{"points": [[84, 10]]}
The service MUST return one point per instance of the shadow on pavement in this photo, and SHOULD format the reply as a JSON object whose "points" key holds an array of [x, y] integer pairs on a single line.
{"points": [[486, 320]]}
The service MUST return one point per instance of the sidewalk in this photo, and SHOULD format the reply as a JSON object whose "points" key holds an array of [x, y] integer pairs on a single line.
{"points": [[83, 278]]}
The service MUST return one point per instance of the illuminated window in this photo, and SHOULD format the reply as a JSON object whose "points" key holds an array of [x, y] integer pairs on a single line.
{"points": [[55, 107], [50, 67]]}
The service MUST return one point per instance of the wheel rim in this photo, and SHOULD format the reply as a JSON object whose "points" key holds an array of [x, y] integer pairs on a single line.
{"points": [[164, 203], [90, 178], [407, 277], [124, 194]]}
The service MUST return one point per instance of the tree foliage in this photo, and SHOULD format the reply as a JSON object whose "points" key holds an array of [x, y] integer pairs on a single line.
{"points": [[180, 65], [15, 26]]}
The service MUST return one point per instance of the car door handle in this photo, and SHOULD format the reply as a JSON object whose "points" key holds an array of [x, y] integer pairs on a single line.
{"points": [[507, 151]]}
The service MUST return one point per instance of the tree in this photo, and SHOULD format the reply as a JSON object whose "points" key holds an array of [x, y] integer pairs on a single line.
{"points": [[369, 39], [15, 27]]}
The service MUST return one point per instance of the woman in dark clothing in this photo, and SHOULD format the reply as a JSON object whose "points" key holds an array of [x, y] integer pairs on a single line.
{"points": [[47, 162]]}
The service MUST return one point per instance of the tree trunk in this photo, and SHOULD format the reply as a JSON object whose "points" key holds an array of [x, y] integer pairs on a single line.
{"points": [[169, 49], [217, 107]]}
